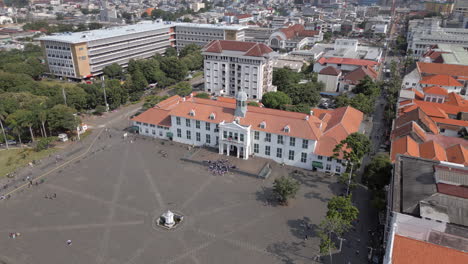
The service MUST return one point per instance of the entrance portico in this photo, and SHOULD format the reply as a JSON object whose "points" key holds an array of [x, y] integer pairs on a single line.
{"points": [[234, 140]]}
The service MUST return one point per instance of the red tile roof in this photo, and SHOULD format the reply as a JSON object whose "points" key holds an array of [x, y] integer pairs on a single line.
{"points": [[453, 190], [439, 79], [405, 146], [411, 129], [443, 69], [419, 116], [249, 48], [330, 70], [341, 123], [432, 150], [435, 90], [347, 61], [360, 73], [292, 31], [457, 154], [334, 125], [410, 251], [242, 16]]}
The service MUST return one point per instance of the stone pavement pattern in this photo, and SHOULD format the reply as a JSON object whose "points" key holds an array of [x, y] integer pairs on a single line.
{"points": [[106, 204]]}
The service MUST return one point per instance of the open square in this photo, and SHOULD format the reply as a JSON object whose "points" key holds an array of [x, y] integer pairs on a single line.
{"points": [[106, 204]]}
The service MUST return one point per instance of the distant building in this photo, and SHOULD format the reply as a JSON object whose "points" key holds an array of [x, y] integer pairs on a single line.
{"points": [[330, 76], [197, 6], [426, 213], [84, 54], [294, 38], [233, 66], [368, 2], [424, 33]]}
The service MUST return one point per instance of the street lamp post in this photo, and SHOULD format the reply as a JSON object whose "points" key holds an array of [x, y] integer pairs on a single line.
{"points": [[349, 179], [103, 84]]}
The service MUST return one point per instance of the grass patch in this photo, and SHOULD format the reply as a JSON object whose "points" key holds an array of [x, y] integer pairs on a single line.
{"points": [[85, 134], [197, 74], [13, 159], [56, 82]]}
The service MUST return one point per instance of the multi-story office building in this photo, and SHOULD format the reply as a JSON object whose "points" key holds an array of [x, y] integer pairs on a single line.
{"points": [[232, 66], [84, 54], [424, 33], [202, 34], [236, 129]]}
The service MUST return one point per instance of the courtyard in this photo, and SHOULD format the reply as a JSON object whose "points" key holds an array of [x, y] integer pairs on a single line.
{"points": [[107, 202]]}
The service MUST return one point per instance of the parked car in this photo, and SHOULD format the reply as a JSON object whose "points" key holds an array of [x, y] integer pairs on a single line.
{"points": [[12, 142]]}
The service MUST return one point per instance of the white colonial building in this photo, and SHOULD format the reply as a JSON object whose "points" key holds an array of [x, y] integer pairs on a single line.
{"points": [[231, 66], [296, 139]]}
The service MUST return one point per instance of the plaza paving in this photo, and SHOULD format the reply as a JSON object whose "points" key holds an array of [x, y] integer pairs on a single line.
{"points": [[107, 203]]}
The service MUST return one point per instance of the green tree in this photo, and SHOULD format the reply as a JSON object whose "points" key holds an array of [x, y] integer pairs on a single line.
{"points": [[189, 50], [27, 119], [305, 93], [343, 207], [3, 117], [173, 68], [367, 87], [61, 118], [276, 100], [116, 94], [94, 25], [113, 71], [44, 143], [353, 148], [361, 102], [183, 88], [170, 52], [283, 78], [133, 66], [378, 172], [285, 188], [137, 85], [333, 224], [253, 103], [202, 95], [300, 108], [100, 109]]}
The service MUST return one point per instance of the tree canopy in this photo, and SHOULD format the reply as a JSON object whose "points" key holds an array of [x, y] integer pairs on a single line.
{"points": [[285, 188], [276, 100], [353, 148], [183, 88]]}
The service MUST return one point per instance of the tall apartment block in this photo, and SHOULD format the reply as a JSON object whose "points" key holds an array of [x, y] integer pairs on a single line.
{"points": [[84, 54], [233, 66]]}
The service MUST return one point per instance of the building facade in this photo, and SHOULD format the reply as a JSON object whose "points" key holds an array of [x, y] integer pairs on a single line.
{"points": [[235, 129], [84, 54], [425, 33], [232, 66]]}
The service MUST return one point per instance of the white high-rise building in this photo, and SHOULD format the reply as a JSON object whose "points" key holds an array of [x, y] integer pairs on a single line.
{"points": [[424, 33], [232, 66]]}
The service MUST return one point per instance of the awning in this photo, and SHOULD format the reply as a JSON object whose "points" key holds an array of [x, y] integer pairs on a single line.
{"points": [[317, 164]]}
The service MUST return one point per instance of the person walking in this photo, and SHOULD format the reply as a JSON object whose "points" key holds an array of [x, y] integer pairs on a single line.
{"points": [[69, 242]]}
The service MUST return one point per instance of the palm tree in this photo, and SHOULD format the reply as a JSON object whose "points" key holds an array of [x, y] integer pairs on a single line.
{"points": [[42, 116], [3, 116], [16, 127]]}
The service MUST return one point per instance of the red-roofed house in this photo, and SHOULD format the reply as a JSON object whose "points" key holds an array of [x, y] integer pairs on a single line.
{"points": [[296, 139], [234, 65], [344, 64], [294, 37], [243, 18], [445, 81], [330, 76], [453, 77], [353, 78]]}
